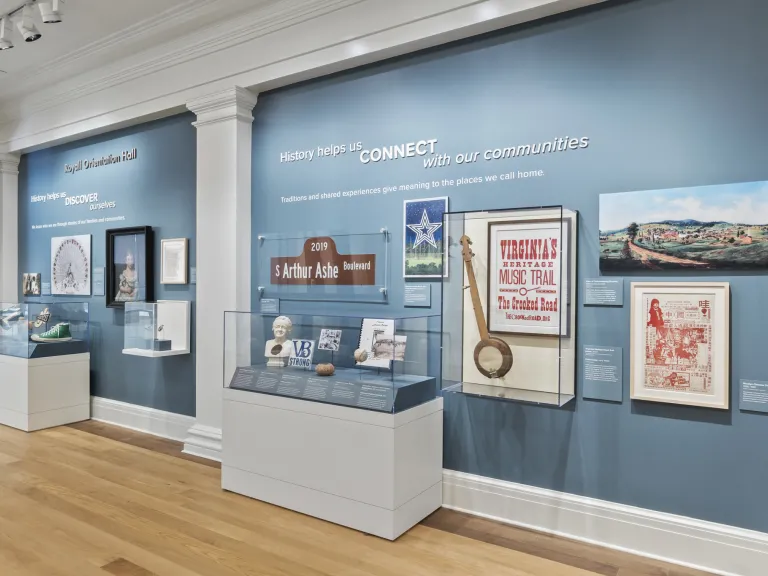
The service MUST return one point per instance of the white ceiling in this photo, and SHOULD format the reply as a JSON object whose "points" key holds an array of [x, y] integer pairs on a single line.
{"points": [[96, 32]]}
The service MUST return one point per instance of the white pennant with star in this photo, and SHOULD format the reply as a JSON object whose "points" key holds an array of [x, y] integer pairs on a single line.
{"points": [[425, 231]]}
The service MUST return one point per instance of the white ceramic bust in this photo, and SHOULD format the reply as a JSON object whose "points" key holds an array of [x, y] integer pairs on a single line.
{"points": [[278, 350]]}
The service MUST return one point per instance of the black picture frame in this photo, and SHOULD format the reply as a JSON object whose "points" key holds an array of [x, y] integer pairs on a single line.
{"points": [[142, 239]]}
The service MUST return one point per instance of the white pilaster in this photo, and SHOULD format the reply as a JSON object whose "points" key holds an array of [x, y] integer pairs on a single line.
{"points": [[9, 228], [224, 123]]}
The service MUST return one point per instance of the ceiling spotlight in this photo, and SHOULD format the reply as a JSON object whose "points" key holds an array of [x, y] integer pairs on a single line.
{"points": [[6, 29], [51, 11], [26, 25]]}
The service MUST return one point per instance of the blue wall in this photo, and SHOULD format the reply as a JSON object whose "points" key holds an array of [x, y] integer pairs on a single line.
{"points": [[157, 189], [671, 93]]}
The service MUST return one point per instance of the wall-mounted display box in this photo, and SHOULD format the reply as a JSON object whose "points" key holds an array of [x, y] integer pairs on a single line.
{"points": [[44, 364], [509, 313], [335, 416], [157, 329]]}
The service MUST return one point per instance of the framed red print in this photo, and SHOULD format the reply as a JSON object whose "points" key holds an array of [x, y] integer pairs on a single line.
{"points": [[680, 341]]}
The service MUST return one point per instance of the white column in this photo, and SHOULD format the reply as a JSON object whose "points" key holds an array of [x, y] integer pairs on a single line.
{"points": [[224, 124], [9, 228]]}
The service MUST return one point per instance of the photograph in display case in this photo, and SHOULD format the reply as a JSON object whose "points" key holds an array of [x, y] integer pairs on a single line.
{"points": [[130, 275], [423, 237], [701, 228], [680, 343], [30, 284], [71, 265], [329, 340], [526, 276], [174, 260]]}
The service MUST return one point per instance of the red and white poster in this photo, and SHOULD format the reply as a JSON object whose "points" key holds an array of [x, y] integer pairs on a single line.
{"points": [[678, 343], [528, 277]]}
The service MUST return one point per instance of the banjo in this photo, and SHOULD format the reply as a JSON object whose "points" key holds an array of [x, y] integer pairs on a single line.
{"points": [[493, 357]]}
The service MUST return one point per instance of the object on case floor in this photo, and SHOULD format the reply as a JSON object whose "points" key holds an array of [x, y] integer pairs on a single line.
{"points": [[325, 369], [59, 333]]}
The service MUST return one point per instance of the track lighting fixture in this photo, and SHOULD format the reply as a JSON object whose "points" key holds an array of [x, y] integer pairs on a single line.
{"points": [[50, 11], [6, 29], [26, 25]]}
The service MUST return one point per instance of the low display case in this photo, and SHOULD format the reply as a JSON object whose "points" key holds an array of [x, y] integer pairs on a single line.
{"points": [[44, 364], [379, 364], [335, 417], [43, 330], [509, 313], [156, 329]]}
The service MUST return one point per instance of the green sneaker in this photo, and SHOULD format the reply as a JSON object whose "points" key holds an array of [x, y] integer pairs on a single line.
{"points": [[59, 333]]}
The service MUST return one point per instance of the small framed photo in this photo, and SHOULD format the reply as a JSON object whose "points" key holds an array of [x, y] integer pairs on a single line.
{"points": [[680, 341], [329, 340], [30, 284], [130, 266], [174, 261]]}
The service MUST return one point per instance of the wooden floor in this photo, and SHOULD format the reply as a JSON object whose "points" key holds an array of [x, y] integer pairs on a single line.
{"points": [[93, 500]]}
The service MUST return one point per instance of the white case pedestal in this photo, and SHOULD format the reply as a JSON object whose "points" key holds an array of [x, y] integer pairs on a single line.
{"points": [[44, 392], [375, 472]]}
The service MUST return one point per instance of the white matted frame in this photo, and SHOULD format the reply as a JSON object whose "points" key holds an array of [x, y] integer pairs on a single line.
{"points": [[174, 261], [680, 342]]}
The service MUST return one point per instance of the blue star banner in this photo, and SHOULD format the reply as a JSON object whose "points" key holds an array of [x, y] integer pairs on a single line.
{"points": [[423, 235]]}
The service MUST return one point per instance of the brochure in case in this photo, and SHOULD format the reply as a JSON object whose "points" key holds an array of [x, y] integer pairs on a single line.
{"points": [[377, 337]]}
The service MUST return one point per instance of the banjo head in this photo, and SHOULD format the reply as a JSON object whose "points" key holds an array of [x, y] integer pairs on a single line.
{"points": [[493, 357]]}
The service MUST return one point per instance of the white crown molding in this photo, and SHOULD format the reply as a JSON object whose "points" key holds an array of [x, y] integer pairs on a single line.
{"points": [[141, 418], [9, 163], [260, 22], [157, 24], [274, 46], [697, 544], [224, 105]]}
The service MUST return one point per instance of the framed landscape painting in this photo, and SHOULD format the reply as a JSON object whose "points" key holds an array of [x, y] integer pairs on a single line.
{"points": [[702, 228]]}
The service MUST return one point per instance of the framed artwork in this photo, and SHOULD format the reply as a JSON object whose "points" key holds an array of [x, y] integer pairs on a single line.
{"points": [[30, 284], [130, 266], [423, 238], [174, 260], [528, 269], [71, 265], [680, 341], [698, 228]]}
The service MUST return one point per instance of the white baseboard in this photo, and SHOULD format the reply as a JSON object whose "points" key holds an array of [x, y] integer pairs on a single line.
{"points": [[203, 441], [693, 543], [141, 418]]}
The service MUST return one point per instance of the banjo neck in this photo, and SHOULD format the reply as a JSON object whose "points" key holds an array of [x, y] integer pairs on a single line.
{"points": [[477, 306]]}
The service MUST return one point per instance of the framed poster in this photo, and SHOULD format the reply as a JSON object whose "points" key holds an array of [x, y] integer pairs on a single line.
{"points": [[71, 265], [130, 274], [174, 260], [30, 284], [528, 276], [680, 340], [423, 237]]}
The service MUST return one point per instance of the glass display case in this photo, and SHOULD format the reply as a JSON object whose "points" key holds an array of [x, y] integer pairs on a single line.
{"points": [[156, 329], [44, 329], [373, 363], [509, 304]]}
